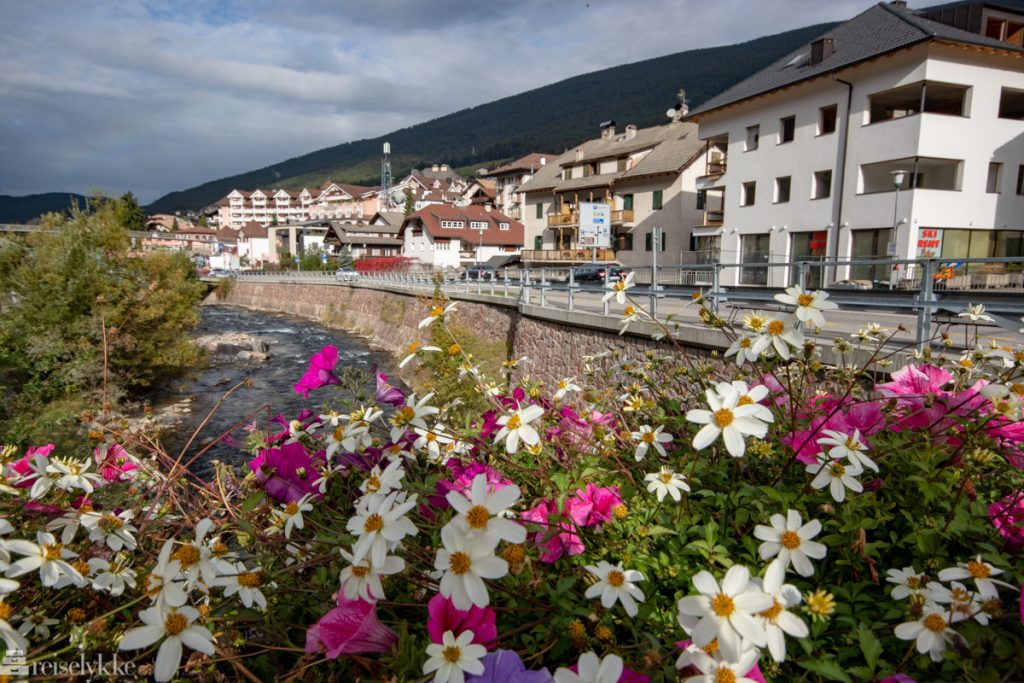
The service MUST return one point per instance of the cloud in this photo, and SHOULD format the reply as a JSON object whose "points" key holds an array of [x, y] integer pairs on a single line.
{"points": [[157, 95]]}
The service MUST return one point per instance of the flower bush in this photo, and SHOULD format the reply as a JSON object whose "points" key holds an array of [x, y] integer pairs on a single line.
{"points": [[763, 517]]}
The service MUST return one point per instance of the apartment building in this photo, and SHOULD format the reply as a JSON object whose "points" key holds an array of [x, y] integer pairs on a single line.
{"points": [[647, 176], [507, 179], [444, 236], [281, 207], [804, 157]]}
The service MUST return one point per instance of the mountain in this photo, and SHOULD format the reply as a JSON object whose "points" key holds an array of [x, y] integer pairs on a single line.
{"points": [[25, 208], [553, 118]]}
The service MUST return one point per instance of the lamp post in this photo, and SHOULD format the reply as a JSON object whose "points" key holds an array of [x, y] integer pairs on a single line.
{"points": [[898, 178]]}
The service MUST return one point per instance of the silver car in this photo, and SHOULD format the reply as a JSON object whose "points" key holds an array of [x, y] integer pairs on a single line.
{"points": [[346, 275]]}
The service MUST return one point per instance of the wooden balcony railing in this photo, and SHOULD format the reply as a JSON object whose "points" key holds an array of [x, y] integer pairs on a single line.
{"points": [[563, 220], [566, 255], [714, 217]]}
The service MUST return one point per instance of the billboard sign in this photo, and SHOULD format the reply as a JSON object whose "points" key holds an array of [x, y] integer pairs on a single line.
{"points": [[595, 225]]}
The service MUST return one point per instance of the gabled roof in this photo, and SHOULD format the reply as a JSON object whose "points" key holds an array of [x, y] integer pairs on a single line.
{"points": [[389, 219], [530, 162], [253, 229], [671, 156], [547, 176], [877, 31], [430, 218]]}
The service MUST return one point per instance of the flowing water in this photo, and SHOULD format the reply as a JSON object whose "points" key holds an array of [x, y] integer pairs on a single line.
{"points": [[291, 343]]}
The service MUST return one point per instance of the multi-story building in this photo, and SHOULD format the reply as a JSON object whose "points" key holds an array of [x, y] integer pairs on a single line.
{"points": [[445, 236], [508, 177], [804, 157], [648, 178], [281, 207]]}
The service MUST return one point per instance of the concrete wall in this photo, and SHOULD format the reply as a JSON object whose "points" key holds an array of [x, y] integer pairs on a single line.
{"points": [[556, 342]]}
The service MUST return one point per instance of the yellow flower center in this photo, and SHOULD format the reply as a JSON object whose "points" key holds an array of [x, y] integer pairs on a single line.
{"points": [[51, 551], [776, 327], [979, 570], [961, 595], [436, 312], [454, 349], [291, 509], [562, 384], [665, 477], [629, 310], [772, 613], [459, 563], [966, 363], [647, 437], [187, 555], [514, 422], [1017, 389], [836, 469], [250, 580], [412, 347], [790, 539], [745, 400], [821, 603], [360, 572], [175, 623], [723, 674], [616, 578], [477, 517], [431, 436], [711, 648], [219, 548], [805, 300], [723, 417], [619, 286], [406, 413], [373, 523], [452, 654], [620, 511], [5, 611], [339, 433], [722, 605], [914, 582], [373, 483], [746, 343], [81, 566], [110, 523], [935, 622]]}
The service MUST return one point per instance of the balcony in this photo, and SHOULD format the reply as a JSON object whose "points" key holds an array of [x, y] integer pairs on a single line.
{"points": [[566, 255], [564, 220]]}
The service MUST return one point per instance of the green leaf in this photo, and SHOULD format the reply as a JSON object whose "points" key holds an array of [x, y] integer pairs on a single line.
{"points": [[660, 531], [869, 645], [252, 501], [827, 669]]}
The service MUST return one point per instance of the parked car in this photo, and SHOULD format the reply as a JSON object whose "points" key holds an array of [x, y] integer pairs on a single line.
{"points": [[221, 272], [480, 272], [595, 272], [346, 275]]}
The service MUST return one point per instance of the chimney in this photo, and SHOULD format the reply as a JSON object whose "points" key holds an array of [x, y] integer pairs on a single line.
{"points": [[608, 130], [488, 207], [543, 160], [630, 131], [899, 4], [434, 168], [822, 49], [444, 167], [579, 154]]}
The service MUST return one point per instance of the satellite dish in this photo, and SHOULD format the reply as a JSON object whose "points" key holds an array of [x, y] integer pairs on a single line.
{"points": [[671, 113], [398, 197]]}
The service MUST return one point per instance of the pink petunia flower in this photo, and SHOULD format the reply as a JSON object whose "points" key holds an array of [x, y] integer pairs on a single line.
{"points": [[287, 472], [350, 628], [320, 372], [1007, 516], [598, 501], [445, 617], [114, 463], [20, 467], [558, 537]]}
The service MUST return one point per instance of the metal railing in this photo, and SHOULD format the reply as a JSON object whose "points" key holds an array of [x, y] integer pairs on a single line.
{"points": [[923, 288]]}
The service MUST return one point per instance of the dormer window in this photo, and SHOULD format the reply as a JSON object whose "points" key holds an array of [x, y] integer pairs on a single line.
{"points": [[502, 226]]}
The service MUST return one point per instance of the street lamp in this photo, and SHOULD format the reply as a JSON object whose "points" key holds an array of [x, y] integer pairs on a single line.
{"points": [[898, 178]]}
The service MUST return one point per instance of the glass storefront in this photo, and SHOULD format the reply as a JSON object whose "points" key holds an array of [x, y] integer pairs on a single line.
{"points": [[808, 246], [870, 244], [754, 249]]}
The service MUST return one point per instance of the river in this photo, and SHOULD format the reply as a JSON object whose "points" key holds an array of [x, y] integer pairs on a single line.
{"points": [[291, 343]]}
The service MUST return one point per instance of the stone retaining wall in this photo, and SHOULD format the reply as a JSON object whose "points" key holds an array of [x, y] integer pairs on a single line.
{"points": [[555, 341]]}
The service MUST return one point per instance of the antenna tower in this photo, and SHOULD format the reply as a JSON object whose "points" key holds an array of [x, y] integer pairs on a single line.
{"points": [[387, 201]]}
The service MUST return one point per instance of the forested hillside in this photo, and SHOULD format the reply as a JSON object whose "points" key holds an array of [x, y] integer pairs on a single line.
{"points": [[550, 118], [24, 209]]}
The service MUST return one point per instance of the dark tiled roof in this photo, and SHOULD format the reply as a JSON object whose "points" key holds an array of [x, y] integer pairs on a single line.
{"points": [[529, 162], [876, 31]]}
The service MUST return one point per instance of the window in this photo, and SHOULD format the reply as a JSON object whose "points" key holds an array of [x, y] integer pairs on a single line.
{"points": [[822, 185], [538, 242], [590, 169], [937, 98], [753, 137], [748, 192], [754, 249], [627, 202], [702, 199], [649, 240], [1011, 104], [567, 173], [1005, 30], [1020, 179], [995, 176], [477, 225], [620, 163], [787, 129], [656, 200], [540, 209], [827, 117], [782, 186], [502, 226]]}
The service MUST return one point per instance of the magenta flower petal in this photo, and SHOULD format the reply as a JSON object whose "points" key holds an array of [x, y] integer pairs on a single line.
{"points": [[387, 393], [504, 666], [445, 617], [320, 372], [350, 628]]}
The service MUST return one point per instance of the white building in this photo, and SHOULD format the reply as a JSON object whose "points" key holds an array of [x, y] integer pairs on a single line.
{"points": [[802, 155], [445, 236], [509, 177]]}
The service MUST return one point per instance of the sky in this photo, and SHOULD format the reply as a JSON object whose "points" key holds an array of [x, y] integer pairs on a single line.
{"points": [[151, 96]]}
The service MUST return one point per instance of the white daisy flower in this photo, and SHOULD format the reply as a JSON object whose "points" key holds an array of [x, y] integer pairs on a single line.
{"points": [[113, 530], [74, 474], [963, 603], [195, 558], [619, 288], [236, 578], [777, 620], [666, 482], [615, 584], [743, 348], [809, 305], [726, 612], [173, 625], [46, 555], [837, 476], [780, 335], [431, 440], [453, 658], [384, 481], [414, 350], [483, 511], [931, 631], [291, 515], [13, 639], [436, 313], [592, 669], [361, 580], [465, 562], [729, 420], [718, 670], [847, 446], [630, 314], [908, 582], [982, 573], [112, 578], [647, 438], [790, 539], [564, 387], [975, 314], [42, 476], [748, 397], [164, 583], [37, 623], [380, 526], [517, 426]]}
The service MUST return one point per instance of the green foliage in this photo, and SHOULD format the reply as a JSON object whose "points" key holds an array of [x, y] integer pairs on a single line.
{"points": [[345, 259], [410, 203], [550, 118], [312, 259], [72, 290], [130, 215]]}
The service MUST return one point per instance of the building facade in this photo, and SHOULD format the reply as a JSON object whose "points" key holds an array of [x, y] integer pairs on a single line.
{"points": [[443, 236], [803, 158]]}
